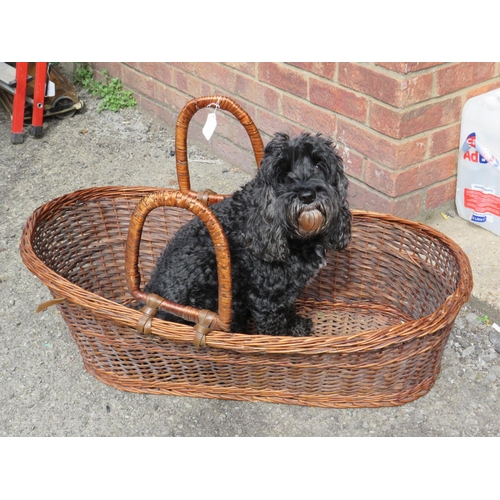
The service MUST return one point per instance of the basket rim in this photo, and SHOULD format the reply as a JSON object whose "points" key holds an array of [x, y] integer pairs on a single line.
{"points": [[239, 342]]}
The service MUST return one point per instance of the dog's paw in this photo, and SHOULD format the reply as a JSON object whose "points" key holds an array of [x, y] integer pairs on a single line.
{"points": [[301, 327]]}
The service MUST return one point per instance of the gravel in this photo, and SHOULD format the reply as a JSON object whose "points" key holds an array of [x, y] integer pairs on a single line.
{"points": [[47, 392]]}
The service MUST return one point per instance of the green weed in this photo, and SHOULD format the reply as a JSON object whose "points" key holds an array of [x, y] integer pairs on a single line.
{"points": [[484, 319], [110, 90]]}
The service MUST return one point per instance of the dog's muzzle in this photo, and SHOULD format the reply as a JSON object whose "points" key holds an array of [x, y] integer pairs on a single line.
{"points": [[310, 221], [308, 212]]}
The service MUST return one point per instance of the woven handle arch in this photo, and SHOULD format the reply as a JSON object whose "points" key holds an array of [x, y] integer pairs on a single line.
{"points": [[173, 198], [181, 131]]}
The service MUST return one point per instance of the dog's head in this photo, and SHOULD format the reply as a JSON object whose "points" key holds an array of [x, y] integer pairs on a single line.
{"points": [[304, 196]]}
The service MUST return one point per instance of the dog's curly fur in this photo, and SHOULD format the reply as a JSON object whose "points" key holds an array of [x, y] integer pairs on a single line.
{"points": [[272, 258]]}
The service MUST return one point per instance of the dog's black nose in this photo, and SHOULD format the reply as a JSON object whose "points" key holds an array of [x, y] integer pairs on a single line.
{"points": [[307, 196]]}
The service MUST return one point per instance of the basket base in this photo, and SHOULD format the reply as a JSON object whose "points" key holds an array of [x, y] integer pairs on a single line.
{"points": [[348, 319], [398, 398], [330, 318]]}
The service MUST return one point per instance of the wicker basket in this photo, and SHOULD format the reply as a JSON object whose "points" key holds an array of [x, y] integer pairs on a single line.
{"points": [[383, 308]]}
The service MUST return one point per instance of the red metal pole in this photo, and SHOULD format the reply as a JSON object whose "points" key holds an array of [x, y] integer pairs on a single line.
{"points": [[17, 136], [39, 99]]}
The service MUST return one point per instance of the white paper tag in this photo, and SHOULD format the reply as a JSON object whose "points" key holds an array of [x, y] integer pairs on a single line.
{"points": [[210, 125], [51, 89]]}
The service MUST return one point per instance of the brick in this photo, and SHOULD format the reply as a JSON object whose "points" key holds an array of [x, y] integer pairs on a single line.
{"points": [[334, 98], [407, 67], [492, 85], [190, 84], [284, 78], [406, 123], [440, 194], [309, 116], [170, 97], [388, 152], [395, 183], [270, 124], [444, 140], [353, 163], [381, 179], [158, 70], [138, 82], [220, 76], [240, 157], [364, 198], [407, 207], [460, 75], [135, 65], [385, 120], [250, 68], [399, 92], [428, 173], [188, 67], [258, 93], [324, 69], [114, 69], [165, 114]]}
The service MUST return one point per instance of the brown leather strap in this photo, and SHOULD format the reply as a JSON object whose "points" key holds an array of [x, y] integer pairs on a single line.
{"points": [[203, 196], [149, 312], [53, 302], [203, 327]]}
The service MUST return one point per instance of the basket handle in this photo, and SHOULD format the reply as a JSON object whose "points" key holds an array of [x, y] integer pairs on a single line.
{"points": [[181, 131], [205, 320]]}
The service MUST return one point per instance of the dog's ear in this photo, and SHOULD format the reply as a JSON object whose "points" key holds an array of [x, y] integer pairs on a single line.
{"points": [[265, 234], [339, 233], [274, 165]]}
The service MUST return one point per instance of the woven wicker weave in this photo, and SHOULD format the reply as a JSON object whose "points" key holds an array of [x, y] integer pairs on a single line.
{"points": [[383, 308]]}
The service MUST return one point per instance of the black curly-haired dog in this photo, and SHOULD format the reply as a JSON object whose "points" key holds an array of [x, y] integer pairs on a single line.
{"points": [[278, 226]]}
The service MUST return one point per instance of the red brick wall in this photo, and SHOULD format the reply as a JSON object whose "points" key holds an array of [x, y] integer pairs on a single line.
{"points": [[396, 124]]}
